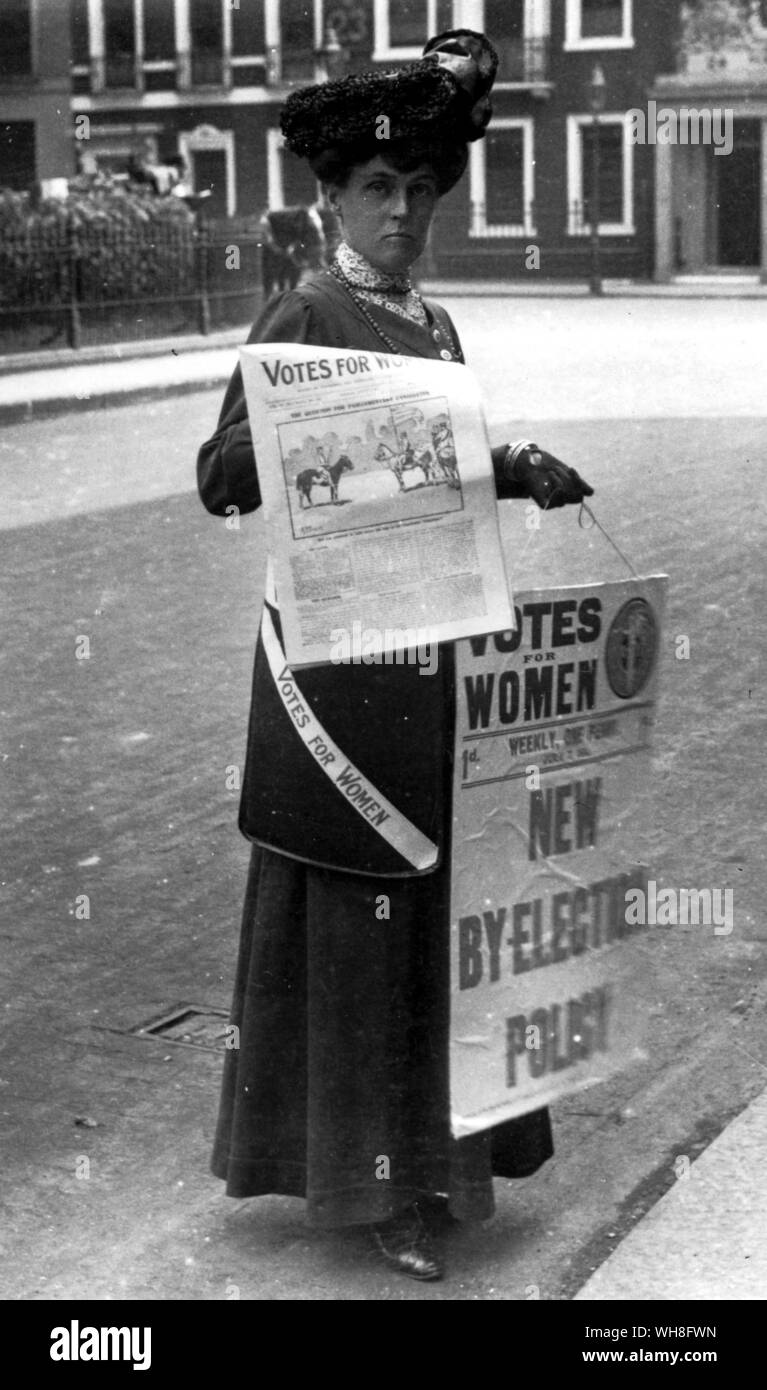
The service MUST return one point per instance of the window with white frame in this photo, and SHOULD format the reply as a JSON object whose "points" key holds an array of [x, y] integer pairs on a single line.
{"points": [[501, 180], [615, 177], [131, 43], [599, 24], [403, 26], [159, 33], [16, 49], [248, 32], [121, 41], [294, 34], [79, 35], [520, 31], [121, 48]]}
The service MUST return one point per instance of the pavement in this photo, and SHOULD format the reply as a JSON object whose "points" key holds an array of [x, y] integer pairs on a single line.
{"points": [[47, 382], [705, 1238]]}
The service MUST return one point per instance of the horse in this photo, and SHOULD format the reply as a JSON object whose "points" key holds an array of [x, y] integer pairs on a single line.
{"points": [[292, 242], [444, 449], [327, 476], [400, 463]]}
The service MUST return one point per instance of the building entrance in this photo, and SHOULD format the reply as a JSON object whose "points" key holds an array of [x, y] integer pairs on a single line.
{"points": [[738, 198]]}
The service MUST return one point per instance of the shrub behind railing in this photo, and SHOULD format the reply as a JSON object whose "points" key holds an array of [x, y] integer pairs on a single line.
{"points": [[114, 261]]}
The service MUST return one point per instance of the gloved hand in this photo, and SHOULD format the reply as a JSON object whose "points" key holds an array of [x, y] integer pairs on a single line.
{"points": [[549, 482]]}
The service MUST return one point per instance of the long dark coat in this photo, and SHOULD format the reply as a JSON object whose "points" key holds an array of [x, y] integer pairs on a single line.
{"points": [[341, 1075]]}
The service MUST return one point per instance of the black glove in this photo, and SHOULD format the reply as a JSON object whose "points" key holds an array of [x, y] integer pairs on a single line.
{"points": [[549, 482]]}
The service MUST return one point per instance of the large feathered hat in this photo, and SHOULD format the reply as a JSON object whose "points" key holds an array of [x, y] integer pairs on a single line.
{"points": [[434, 107]]}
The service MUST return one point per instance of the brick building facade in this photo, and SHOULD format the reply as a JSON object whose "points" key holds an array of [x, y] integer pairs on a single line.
{"points": [[35, 87], [206, 79]]}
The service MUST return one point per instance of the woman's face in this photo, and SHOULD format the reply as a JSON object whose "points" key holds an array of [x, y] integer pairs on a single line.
{"points": [[386, 214]]}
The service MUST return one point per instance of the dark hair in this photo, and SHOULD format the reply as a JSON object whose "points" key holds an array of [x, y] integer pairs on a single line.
{"points": [[448, 160]]}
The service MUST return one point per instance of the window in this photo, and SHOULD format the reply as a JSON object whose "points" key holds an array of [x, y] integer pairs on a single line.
{"points": [[124, 43], [206, 31], [504, 21], [502, 172], [16, 42], [120, 43], [616, 175], [520, 31], [403, 26], [599, 24], [293, 36], [601, 19], [79, 33], [248, 39], [159, 31], [297, 40]]}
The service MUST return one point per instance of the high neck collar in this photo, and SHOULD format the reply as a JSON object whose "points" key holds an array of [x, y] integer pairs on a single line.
{"points": [[362, 274]]}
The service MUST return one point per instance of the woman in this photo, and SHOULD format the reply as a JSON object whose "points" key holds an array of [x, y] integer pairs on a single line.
{"points": [[339, 1091]]}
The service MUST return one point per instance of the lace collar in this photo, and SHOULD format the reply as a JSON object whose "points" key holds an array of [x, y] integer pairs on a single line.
{"points": [[394, 292]]}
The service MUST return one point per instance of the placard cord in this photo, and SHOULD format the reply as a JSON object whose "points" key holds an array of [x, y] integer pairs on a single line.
{"points": [[584, 507], [596, 522], [525, 547]]}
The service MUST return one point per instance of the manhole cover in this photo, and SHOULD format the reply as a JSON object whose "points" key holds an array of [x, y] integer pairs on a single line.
{"points": [[187, 1025]]}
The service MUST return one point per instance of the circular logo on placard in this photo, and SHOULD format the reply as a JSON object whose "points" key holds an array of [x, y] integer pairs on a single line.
{"points": [[631, 645]]}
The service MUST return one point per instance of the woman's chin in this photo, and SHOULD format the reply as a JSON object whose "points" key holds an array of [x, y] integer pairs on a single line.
{"points": [[396, 254]]}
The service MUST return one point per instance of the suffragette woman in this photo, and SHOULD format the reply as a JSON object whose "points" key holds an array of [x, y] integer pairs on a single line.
{"points": [[338, 1091]]}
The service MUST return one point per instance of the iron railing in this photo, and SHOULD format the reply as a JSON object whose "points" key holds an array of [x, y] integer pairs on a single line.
{"points": [[69, 284], [579, 216], [516, 219]]}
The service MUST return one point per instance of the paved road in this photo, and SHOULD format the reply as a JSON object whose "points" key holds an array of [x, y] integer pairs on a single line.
{"points": [[117, 789], [539, 362]]}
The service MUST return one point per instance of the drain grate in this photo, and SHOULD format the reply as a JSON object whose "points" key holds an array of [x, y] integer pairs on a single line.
{"points": [[187, 1025]]}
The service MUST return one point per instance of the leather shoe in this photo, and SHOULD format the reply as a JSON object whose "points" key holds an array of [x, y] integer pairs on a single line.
{"points": [[404, 1244]]}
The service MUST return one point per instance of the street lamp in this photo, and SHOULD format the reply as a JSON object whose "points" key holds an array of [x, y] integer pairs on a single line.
{"points": [[597, 98]]}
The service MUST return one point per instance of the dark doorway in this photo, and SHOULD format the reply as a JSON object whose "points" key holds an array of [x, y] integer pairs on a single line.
{"points": [[210, 176], [739, 196]]}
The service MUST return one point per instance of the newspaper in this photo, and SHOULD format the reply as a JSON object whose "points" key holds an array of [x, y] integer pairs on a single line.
{"points": [[379, 497]]}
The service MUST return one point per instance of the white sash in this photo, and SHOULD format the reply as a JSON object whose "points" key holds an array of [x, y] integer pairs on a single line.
{"points": [[350, 783], [270, 592]]}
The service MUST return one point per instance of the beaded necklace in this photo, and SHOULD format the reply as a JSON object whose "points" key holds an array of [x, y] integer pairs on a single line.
{"points": [[447, 354]]}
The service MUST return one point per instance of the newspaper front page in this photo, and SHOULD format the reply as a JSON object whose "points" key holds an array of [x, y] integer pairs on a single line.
{"points": [[379, 497]]}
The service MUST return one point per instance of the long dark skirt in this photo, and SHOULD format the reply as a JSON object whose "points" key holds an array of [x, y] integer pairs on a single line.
{"points": [[338, 1091]]}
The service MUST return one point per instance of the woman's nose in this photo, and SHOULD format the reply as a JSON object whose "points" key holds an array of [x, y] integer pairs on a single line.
{"points": [[399, 203]]}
